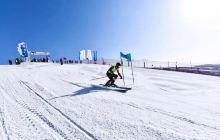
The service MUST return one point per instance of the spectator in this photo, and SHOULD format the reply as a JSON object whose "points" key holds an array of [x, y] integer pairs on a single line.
{"points": [[10, 62], [61, 61], [17, 61]]}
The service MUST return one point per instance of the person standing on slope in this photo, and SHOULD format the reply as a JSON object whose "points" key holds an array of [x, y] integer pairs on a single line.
{"points": [[61, 61], [111, 74]]}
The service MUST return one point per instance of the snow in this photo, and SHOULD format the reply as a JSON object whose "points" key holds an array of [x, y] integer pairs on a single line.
{"points": [[50, 101]]}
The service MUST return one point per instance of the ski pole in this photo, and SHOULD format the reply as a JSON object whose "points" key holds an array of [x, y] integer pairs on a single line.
{"points": [[98, 78]]}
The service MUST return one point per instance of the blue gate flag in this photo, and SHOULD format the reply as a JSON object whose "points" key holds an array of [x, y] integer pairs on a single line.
{"points": [[126, 56]]}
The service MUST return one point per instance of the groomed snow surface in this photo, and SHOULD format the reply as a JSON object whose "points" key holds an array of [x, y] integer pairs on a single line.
{"points": [[44, 101]]}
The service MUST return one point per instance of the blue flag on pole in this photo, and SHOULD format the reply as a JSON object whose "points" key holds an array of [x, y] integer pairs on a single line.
{"points": [[126, 56]]}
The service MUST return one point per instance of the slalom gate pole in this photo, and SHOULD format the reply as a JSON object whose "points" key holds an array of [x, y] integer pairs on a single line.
{"points": [[98, 78], [132, 71], [123, 72]]}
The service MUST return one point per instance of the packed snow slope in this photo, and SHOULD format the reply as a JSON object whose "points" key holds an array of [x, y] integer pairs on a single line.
{"points": [[50, 101]]}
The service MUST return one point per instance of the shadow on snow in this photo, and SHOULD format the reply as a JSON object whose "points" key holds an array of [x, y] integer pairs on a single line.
{"points": [[86, 90]]}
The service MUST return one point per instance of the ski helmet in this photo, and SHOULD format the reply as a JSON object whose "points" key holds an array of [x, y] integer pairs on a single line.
{"points": [[118, 64]]}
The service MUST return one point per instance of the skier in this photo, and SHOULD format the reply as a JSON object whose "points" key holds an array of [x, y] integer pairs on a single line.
{"points": [[112, 77], [17, 61], [10, 62], [61, 61]]}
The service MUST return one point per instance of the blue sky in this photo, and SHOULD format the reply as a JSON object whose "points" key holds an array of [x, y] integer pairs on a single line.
{"points": [[173, 30]]}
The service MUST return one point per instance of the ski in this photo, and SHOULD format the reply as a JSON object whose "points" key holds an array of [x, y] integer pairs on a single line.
{"points": [[110, 88], [119, 87]]}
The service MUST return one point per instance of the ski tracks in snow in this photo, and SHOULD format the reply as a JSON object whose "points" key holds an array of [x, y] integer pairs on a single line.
{"points": [[169, 114], [83, 134], [35, 117], [4, 134], [206, 128], [17, 123]]}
